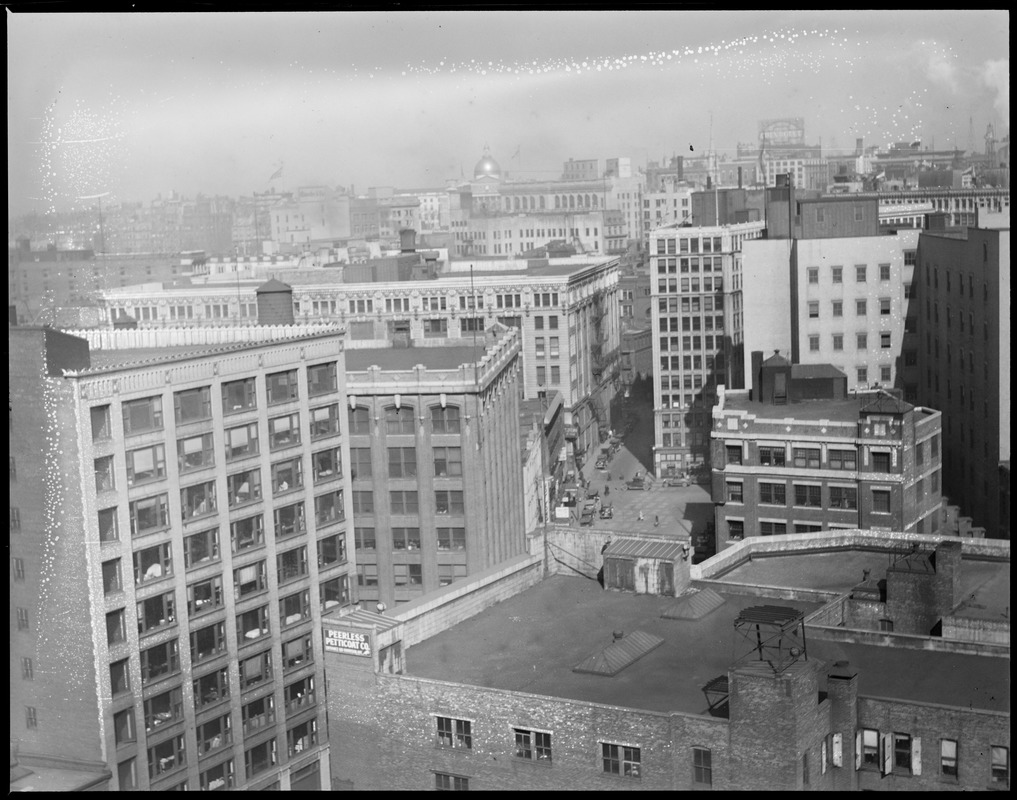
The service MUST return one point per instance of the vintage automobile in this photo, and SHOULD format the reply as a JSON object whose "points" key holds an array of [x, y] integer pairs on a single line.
{"points": [[635, 483], [607, 512], [586, 518], [678, 480]]}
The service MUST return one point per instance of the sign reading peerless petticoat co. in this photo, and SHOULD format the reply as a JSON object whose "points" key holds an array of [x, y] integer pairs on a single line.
{"points": [[350, 642]]}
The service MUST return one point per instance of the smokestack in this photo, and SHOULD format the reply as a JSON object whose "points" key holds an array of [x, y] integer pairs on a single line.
{"points": [[739, 177], [275, 303]]}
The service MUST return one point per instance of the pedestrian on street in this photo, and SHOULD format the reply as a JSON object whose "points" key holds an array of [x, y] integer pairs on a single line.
{"points": [[656, 521]]}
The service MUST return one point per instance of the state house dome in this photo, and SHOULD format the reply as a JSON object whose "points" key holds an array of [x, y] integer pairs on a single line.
{"points": [[487, 167]]}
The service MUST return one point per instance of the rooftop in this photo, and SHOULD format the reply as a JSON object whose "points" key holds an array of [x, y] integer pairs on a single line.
{"points": [[846, 410], [406, 358], [533, 641]]}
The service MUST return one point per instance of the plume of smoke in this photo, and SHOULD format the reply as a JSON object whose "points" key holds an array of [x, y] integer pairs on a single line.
{"points": [[996, 75]]}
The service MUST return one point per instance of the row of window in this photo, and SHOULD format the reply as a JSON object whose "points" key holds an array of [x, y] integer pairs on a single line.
{"points": [[811, 457], [159, 612], [845, 497], [837, 273], [861, 307], [861, 341], [402, 420], [409, 574], [151, 514], [706, 244], [901, 754], [671, 266], [401, 501]]}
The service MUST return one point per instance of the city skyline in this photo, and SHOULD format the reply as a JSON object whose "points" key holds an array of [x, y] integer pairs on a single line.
{"points": [[105, 104]]}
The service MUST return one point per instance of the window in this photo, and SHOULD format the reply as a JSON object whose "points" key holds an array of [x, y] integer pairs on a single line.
{"points": [[18, 567], [331, 550], [902, 753], [302, 737], [364, 538], [448, 462], [773, 493], [111, 581], [321, 379], [838, 341], [451, 538], [702, 766], [211, 688], [360, 420], [192, 405], [142, 415], [867, 749], [772, 456], [243, 487], [258, 714], [260, 758], [445, 420], [217, 778], [250, 580], [861, 307], [297, 652], [885, 340], [156, 612], [406, 538], [363, 502], [287, 475], [242, 441], [281, 387], [104, 531], [198, 500], [120, 677], [862, 341], [843, 497], [399, 420], [192, 453], [838, 274], [291, 564], [841, 459], [860, 273], [1000, 766], [881, 501], [326, 464], [454, 733], [325, 421], [127, 775], [101, 425], [204, 596], [367, 574], [159, 661], [239, 396], [201, 548], [813, 274], [880, 461], [402, 462], [284, 431], [208, 642], [886, 373], [214, 734], [884, 306], [27, 670], [814, 343], [533, 745], [446, 502], [289, 520], [862, 375], [813, 309], [152, 563], [295, 608], [252, 624], [808, 495], [124, 727], [884, 272], [806, 457], [23, 622], [104, 478], [734, 492], [768, 528], [620, 760], [335, 592], [444, 782], [329, 508], [948, 757], [734, 454]]}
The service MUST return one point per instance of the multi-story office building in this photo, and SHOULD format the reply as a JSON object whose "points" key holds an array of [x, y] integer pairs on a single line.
{"points": [[434, 461], [961, 206], [832, 296], [801, 455], [697, 313], [178, 526], [963, 349], [313, 214], [566, 310]]}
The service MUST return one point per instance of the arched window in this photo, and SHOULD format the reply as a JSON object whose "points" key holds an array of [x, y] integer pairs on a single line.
{"points": [[515, 203], [586, 200], [572, 201], [399, 420], [445, 420], [360, 420], [542, 202], [594, 201], [557, 201]]}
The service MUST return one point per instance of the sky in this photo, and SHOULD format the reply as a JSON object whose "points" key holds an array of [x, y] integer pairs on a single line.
{"points": [[130, 106]]}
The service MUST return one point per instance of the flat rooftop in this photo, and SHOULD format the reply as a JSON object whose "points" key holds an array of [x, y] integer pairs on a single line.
{"points": [[531, 642], [984, 589], [406, 358], [846, 410], [102, 360]]}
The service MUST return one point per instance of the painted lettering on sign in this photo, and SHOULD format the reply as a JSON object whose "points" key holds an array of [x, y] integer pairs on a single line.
{"points": [[350, 642]]}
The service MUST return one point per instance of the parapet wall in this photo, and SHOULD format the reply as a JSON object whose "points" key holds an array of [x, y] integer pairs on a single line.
{"points": [[128, 339]]}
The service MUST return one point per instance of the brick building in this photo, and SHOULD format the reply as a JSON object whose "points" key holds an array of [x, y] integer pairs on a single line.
{"points": [[514, 682], [178, 525], [799, 455], [434, 462]]}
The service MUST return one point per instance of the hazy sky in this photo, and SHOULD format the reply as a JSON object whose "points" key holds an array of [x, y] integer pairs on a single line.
{"points": [[138, 104]]}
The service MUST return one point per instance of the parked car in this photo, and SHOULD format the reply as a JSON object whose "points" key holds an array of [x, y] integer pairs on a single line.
{"points": [[591, 493], [586, 518], [601, 463], [678, 480], [607, 512], [635, 483]]}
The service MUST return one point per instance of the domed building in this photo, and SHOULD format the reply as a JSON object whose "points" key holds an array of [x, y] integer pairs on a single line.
{"points": [[487, 167]]}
